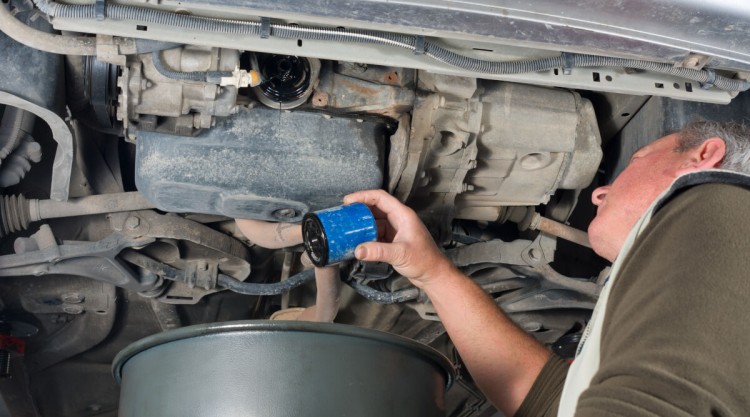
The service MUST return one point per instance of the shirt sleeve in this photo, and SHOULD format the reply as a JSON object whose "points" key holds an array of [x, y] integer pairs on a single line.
{"points": [[543, 399], [675, 339]]}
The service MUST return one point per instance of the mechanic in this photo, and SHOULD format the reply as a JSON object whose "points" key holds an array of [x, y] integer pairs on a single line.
{"points": [[668, 335]]}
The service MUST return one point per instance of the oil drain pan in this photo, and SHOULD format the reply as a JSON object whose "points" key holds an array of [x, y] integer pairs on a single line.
{"points": [[280, 368]]}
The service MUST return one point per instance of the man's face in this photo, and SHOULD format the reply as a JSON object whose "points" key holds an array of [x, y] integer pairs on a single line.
{"points": [[622, 203]]}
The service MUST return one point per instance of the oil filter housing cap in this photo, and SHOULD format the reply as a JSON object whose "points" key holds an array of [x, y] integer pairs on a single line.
{"points": [[331, 235]]}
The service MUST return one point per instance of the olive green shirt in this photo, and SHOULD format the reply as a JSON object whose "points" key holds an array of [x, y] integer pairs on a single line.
{"points": [[675, 339]]}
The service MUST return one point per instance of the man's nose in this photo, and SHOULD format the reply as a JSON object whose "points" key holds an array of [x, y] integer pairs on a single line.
{"points": [[599, 194]]}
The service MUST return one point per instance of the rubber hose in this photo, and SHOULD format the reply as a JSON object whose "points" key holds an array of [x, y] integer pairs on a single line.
{"points": [[16, 124], [204, 76], [382, 297], [224, 281], [147, 46], [251, 288], [47, 42], [14, 214]]}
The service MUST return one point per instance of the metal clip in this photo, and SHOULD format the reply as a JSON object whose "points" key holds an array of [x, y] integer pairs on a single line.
{"points": [[568, 61], [419, 47], [265, 27], [99, 7], [709, 83]]}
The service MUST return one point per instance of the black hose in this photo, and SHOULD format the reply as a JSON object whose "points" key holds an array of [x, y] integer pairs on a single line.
{"points": [[204, 76], [224, 281], [147, 46], [382, 297], [251, 288]]}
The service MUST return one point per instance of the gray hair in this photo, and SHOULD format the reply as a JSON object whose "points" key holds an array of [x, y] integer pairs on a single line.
{"points": [[736, 137]]}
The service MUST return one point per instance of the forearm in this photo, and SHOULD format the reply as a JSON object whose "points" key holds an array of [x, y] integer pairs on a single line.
{"points": [[502, 358]]}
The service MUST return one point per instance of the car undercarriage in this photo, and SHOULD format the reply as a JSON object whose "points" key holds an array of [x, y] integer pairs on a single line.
{"points": [[156, 159]]}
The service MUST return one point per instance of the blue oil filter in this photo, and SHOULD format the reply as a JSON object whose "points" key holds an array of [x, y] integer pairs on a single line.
{"points": [[331, 235]]}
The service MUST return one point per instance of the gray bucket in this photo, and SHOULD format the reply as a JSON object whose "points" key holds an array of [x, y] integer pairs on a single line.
{"points": [[264, 368]]}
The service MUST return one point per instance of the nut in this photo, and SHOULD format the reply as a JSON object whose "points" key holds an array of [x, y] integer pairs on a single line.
{"points": [[285, 213], [72, 298], [73, 309]]}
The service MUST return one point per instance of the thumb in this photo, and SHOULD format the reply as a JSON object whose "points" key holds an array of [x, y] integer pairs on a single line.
{"points": [[379, 252]]}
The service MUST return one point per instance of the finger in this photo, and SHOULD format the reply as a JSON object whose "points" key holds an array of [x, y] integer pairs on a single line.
{"points": [[382, 226], [391, 253], [379, 199], [357, 198]]}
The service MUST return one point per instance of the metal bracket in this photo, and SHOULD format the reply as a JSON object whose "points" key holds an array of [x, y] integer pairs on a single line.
{"points": [[94, 260], [201, 274], [694, 61], [491, 251]]}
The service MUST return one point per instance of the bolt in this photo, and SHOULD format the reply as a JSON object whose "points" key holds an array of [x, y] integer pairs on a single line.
{"points": [[73, 309], [72, 298], [320, 99], [132, 222], [284, 213], [94, 407]]}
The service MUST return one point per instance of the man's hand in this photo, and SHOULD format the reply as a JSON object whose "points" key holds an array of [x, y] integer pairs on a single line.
{"points": [[501, 357], [403, 241]]}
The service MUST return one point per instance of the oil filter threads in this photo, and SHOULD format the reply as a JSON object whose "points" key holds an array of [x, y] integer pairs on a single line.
{"points": [[331, 235]]}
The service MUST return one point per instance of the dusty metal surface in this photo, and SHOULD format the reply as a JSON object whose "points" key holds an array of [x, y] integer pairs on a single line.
{"points": [[262, 164], [663, 28]]}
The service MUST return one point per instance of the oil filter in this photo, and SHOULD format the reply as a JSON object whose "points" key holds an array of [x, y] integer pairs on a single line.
{"points": [[331, 235]]}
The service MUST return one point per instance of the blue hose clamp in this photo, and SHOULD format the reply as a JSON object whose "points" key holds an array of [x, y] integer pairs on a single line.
{"points": [[331, 235]]}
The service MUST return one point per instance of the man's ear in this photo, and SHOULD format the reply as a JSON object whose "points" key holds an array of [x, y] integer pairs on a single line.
{"points": [[707, 155]]}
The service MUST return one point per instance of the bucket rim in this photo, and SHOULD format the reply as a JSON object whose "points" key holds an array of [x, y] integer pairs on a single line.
{"points": [[209, 329]]}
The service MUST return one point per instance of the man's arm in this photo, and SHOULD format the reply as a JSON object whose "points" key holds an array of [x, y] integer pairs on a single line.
{"points": [[503, 360]]}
